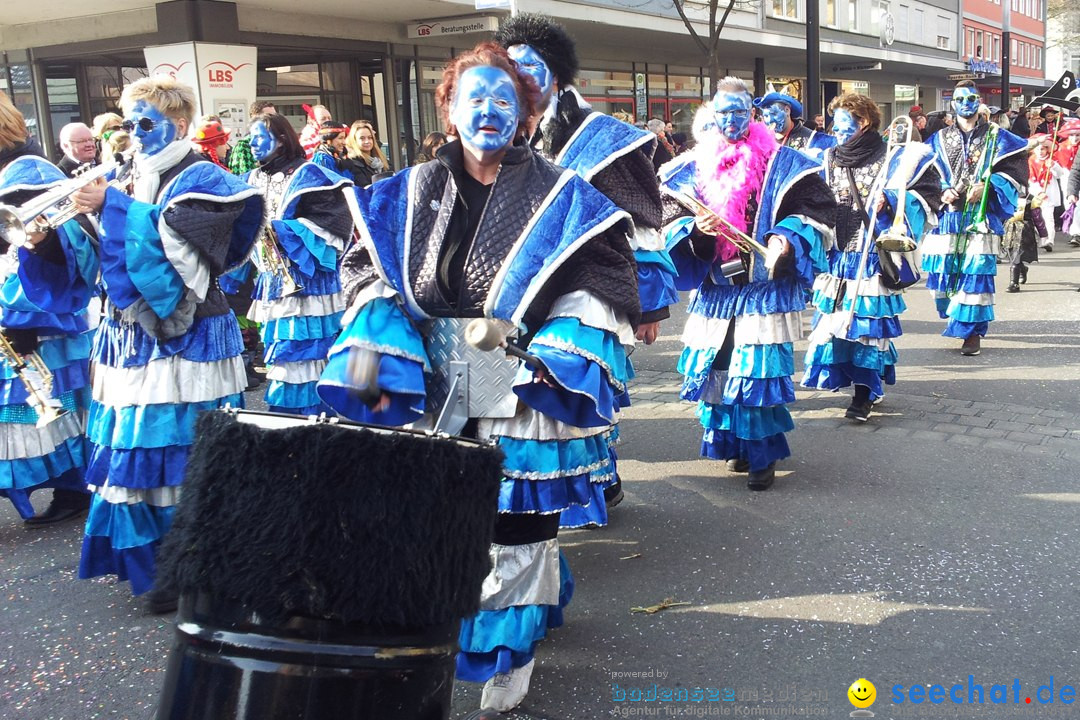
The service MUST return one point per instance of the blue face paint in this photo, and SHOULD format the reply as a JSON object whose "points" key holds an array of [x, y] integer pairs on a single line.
{"points": [[162, 130], [844, 125], [263, 142], [776, 116], [485, 108], [965, 102], [530, 61], [732, 113]]}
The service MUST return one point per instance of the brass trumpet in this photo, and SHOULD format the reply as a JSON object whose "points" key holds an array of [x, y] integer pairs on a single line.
{"points": [[732, 234], [36, 378], [17, 223]]}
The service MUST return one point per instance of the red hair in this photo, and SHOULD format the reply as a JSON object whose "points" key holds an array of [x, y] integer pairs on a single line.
{"points": [[487, 53]]}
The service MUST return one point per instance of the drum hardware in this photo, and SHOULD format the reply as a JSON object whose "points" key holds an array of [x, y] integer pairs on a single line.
{"points": [[455, 411], [485, 335]]}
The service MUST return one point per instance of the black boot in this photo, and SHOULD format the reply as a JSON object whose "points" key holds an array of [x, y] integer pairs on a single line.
{"points": [[762, 479], [1014, 277], [860, 405], [1023, 274], [65, 505]]}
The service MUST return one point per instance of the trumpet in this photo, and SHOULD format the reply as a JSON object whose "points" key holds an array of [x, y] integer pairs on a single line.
{"points": [[17, 223], [36, 378], [896, 238], [277, 263], [732, 234]]}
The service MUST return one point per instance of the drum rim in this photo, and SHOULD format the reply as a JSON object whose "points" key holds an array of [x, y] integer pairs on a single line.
{"points": [[334, 421]]}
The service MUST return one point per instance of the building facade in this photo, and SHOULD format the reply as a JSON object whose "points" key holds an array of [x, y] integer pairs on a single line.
{"points": [[985, 25], [382, 61]]}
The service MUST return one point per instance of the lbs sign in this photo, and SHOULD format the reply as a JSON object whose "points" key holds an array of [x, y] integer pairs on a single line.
{"points": [[223, 77]]}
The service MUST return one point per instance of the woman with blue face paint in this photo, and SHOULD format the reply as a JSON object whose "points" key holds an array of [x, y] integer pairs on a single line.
{"points": [[857, 321], [615, 158], [745, 315], [54, 326], [297, 297], [983, 169], [490, 229], [168, 347]]}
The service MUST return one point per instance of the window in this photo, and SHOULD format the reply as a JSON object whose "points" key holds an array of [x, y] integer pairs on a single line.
{"points": [[978, 43], [1016, 5], [853, 16], [830, 13], [1012, 52], [996, 57], [1038, 58], [944, 31], [787, 9], [969, 42]]}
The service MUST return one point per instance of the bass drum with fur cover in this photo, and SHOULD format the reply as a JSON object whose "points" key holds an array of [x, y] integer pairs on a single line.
{"points": [[323, 569]]}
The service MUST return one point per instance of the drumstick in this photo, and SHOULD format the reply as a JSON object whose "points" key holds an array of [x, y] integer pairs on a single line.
{"points": [[485, 335], [363, 373]]}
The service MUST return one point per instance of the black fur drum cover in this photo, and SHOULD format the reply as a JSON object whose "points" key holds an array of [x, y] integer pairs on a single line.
{"points": [[323, 570]]}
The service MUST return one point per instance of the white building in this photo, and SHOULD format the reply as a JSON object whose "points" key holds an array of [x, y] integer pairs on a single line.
{"points": [[65, 60]]}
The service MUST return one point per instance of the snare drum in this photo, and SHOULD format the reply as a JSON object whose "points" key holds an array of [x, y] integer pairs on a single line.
{"points": [[324, 567]]}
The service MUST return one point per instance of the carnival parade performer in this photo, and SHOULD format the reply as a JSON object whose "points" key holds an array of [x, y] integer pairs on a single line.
{"points": [[783, 114], [859, 306], [616, 158], [492, 230], [983, 170], [746, 309], [49, 329], [297, 295], [168, 346]]}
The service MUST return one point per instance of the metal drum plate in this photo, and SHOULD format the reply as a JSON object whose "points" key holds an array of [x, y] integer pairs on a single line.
{"points": [[491, 374]]}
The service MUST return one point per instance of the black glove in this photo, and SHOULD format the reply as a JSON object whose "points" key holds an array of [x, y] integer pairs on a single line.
{"points": [[24, 341]]}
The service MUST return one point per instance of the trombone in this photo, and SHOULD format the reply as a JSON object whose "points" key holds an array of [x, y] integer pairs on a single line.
{"points": [[18, 222], [896, 238]]}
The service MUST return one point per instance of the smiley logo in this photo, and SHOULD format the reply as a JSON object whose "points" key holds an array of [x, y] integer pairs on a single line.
{"points": [[862, 693]]}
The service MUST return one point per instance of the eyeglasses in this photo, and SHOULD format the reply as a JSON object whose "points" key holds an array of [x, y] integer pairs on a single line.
{"points": [[145, 124]]}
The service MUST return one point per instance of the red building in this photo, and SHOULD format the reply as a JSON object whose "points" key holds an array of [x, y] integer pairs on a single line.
{"points": [[981, 46]]}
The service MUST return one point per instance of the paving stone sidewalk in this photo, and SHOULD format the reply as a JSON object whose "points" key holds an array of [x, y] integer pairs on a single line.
{"points": [[1017, 428]]}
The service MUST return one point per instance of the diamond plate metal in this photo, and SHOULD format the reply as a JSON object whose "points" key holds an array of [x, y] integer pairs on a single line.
{"points": [[491, 375]]}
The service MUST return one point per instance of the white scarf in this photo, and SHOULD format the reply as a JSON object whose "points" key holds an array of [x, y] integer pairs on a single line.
{"points": [[149, 168]]}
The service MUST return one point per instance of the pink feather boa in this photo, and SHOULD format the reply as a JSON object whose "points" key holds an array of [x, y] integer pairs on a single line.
{"points": [[727, 174]]}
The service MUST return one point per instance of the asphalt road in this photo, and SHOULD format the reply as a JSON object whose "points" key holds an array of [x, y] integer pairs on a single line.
{"points": [[934, 543]]}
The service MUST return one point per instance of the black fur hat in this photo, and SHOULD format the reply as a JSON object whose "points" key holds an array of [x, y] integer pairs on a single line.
{"points": [[548, 38]]}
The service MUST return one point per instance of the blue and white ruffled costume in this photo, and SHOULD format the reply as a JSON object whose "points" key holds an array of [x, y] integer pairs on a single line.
{"points": [[743, 407], [556, 438], [866, 354], [297, 330], [52, 456], [961, 266], [167, 350]]}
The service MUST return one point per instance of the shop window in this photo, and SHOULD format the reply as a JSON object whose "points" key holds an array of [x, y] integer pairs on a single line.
{"points": [[607, 91], [292, 80]]}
